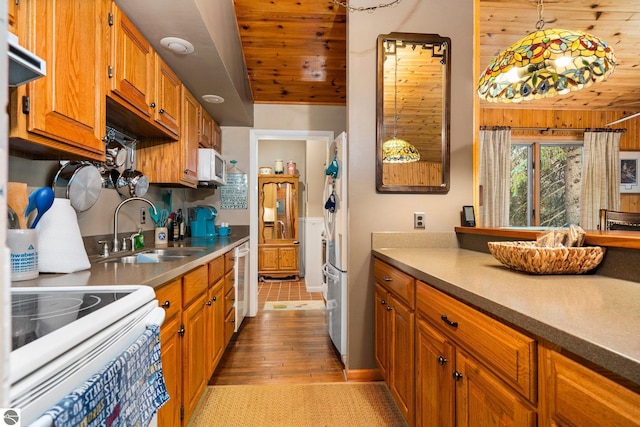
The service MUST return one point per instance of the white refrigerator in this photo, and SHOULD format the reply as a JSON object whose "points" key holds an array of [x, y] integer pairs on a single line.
{"points": [[335, 229]]}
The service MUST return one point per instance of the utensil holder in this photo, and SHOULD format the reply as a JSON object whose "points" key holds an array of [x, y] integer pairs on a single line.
{"points": [[161, 236], [23, 245]]}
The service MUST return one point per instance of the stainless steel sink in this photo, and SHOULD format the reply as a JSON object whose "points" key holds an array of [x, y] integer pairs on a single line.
{"points": [[162, 255]]}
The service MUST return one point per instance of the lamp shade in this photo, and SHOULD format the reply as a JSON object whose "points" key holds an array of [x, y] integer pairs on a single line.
{"points": [[398, 150], [546, 63]]}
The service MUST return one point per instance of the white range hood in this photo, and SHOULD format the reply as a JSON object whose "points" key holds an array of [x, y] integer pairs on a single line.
{"points": [[24, 66]]}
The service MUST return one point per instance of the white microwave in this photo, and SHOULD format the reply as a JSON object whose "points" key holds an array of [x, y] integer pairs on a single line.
{"points": [[212, 168]]}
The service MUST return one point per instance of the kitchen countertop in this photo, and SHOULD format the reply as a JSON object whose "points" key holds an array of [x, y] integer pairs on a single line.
{"points": [[151, 274], [595, 317]]}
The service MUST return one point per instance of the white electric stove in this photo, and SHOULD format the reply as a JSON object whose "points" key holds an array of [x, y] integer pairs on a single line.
{"points": [[63, 335]]}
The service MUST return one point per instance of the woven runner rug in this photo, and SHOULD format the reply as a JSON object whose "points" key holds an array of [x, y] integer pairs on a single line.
{"points": [[298, 405], [294, 305]]}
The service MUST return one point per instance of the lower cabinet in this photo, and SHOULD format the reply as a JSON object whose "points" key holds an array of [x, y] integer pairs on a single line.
{"points": [[193, 337], [471, 369], [278, 260]]}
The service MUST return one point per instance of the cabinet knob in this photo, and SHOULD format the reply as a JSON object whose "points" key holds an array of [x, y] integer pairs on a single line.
{"points": [[209, 303], [389, 308], [161, 111], [446, 320], [383, 302], [152, 105], [457, 376], [442, 360], [214, 299], [386, 278], [181, 331], [166, 304], [233, 320]]}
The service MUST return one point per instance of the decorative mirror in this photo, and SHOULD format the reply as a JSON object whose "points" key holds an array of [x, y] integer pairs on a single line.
{"points": [[278, 212], [413, 110]]}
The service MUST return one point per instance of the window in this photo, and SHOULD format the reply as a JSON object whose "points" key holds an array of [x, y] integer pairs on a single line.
{"points": [[545, 184]]}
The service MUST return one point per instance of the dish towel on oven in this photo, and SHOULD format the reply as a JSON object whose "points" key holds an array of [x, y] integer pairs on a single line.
{"points": [[126, 393]]}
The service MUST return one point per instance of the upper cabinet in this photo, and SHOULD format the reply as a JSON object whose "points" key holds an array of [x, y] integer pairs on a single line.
{"points": [[14, 9], [210, 134], [174, 162], [144, 93], [62, 113]]}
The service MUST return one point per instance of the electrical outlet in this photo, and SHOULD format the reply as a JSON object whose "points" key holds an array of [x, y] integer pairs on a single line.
{"points": [[418, 220], [143, 216]]}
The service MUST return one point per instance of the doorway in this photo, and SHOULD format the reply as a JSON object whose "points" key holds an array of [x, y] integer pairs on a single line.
{"points": [[313, 188]]}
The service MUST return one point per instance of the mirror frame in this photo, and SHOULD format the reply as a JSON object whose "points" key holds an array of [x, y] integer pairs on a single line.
{"points": [[429, 39]]}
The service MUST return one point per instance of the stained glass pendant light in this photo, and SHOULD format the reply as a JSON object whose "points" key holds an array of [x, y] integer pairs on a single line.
{"points": [[397, 150], [546, 63]]}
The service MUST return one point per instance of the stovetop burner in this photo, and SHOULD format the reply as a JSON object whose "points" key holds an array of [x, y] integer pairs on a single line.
{"points": [[36, 314]]}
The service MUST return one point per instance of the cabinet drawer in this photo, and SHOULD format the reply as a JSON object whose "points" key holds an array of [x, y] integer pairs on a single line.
{"points": [[395, 281], [229, 281], [509, 353], [216, 270], [170, 298], [229, 260], [194, 284], [229, 325]]}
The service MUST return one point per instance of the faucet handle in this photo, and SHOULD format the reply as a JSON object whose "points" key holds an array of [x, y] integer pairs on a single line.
{"points": [[124, 244], [105, 247]]}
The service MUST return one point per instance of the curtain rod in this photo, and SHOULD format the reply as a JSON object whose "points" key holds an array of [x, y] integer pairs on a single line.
{"points": [[546, 129]]}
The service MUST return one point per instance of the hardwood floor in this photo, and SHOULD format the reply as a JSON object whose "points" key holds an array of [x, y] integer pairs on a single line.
{"points": [[281, 347]]}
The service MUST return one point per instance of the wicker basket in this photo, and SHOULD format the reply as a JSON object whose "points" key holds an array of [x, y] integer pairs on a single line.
{"points": [[526, 256]]}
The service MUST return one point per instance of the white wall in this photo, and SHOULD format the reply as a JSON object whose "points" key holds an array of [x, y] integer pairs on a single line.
{"points": [[368, 210]]}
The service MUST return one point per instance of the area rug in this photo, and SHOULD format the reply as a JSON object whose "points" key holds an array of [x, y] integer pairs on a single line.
{"points": [[298, 405], [294, 305]]}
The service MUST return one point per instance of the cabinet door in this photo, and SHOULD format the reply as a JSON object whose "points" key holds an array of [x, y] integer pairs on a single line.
{"points": [[577, 396], [168, 97], [218, 323], [170, 299], [484, 400], [14, 10], [132, 64], [194, 355], [66, 109], [401, 364], [169, 414], [435, 364], [206, 130], [268, 259], [216, 140], [288, 258], [189, 138], [382, 331]]}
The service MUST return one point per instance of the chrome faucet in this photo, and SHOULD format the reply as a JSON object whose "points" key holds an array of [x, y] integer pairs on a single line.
{"points": [[115, 218]]}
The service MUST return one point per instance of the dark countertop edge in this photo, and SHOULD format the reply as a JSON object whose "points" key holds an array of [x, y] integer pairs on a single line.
{"points": [[616, 363], [610, 238]]}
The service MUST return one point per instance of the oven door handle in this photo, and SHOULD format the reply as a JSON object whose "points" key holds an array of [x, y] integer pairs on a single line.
{"points": [[155, 317]]}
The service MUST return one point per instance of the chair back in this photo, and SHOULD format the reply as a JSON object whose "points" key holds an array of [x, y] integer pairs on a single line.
{"points": [[616, 220]]}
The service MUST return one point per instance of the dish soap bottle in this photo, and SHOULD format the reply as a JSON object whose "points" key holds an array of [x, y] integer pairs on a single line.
{"points": [[139, 240]]}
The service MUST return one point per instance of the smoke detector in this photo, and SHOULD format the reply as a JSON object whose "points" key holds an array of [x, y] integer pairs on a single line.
{"points": [[177, 45]]}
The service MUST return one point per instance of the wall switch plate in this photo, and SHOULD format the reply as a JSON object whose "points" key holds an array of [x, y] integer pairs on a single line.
{"points": [[418, 220], [143, 216]]}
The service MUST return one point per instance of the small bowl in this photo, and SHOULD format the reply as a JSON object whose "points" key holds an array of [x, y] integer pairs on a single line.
{"points": [[265, 170]]}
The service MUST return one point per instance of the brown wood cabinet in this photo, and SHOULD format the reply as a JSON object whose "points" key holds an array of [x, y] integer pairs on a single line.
{"points": [[170, 298], [215, 313], [63, 113], [576, 395], [229, 297], [395, 334], [15, 10], [145, 94], [174, 162], [278, 244]]}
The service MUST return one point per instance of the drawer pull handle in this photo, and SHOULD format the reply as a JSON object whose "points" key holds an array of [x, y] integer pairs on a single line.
{"points": [[389, 308], [209, 303], [214, 299], [166, 304], [383, 302], [457, 376], [446, 320], [386, 278], [442, 360]]}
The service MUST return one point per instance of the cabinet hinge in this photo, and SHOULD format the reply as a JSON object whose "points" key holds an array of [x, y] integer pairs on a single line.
{"points": [[26, 105], [110, 19], [110, 71], [181, 413]]}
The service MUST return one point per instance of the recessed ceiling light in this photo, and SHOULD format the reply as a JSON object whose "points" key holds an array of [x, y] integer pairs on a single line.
{"points": [[176, 45], [214, 99]]}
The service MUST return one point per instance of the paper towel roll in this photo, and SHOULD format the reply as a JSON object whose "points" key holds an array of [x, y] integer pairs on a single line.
{"points": [[60, 245]]}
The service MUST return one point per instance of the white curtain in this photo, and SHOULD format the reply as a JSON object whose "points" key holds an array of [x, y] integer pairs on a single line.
{"points": [[600, 176], [495, 176]]}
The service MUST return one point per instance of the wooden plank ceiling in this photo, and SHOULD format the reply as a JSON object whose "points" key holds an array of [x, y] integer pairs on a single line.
{"points": [[295, 50]]}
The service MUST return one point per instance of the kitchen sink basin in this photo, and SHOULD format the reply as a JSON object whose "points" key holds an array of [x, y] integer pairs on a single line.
{"points": [[156, 255]]}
